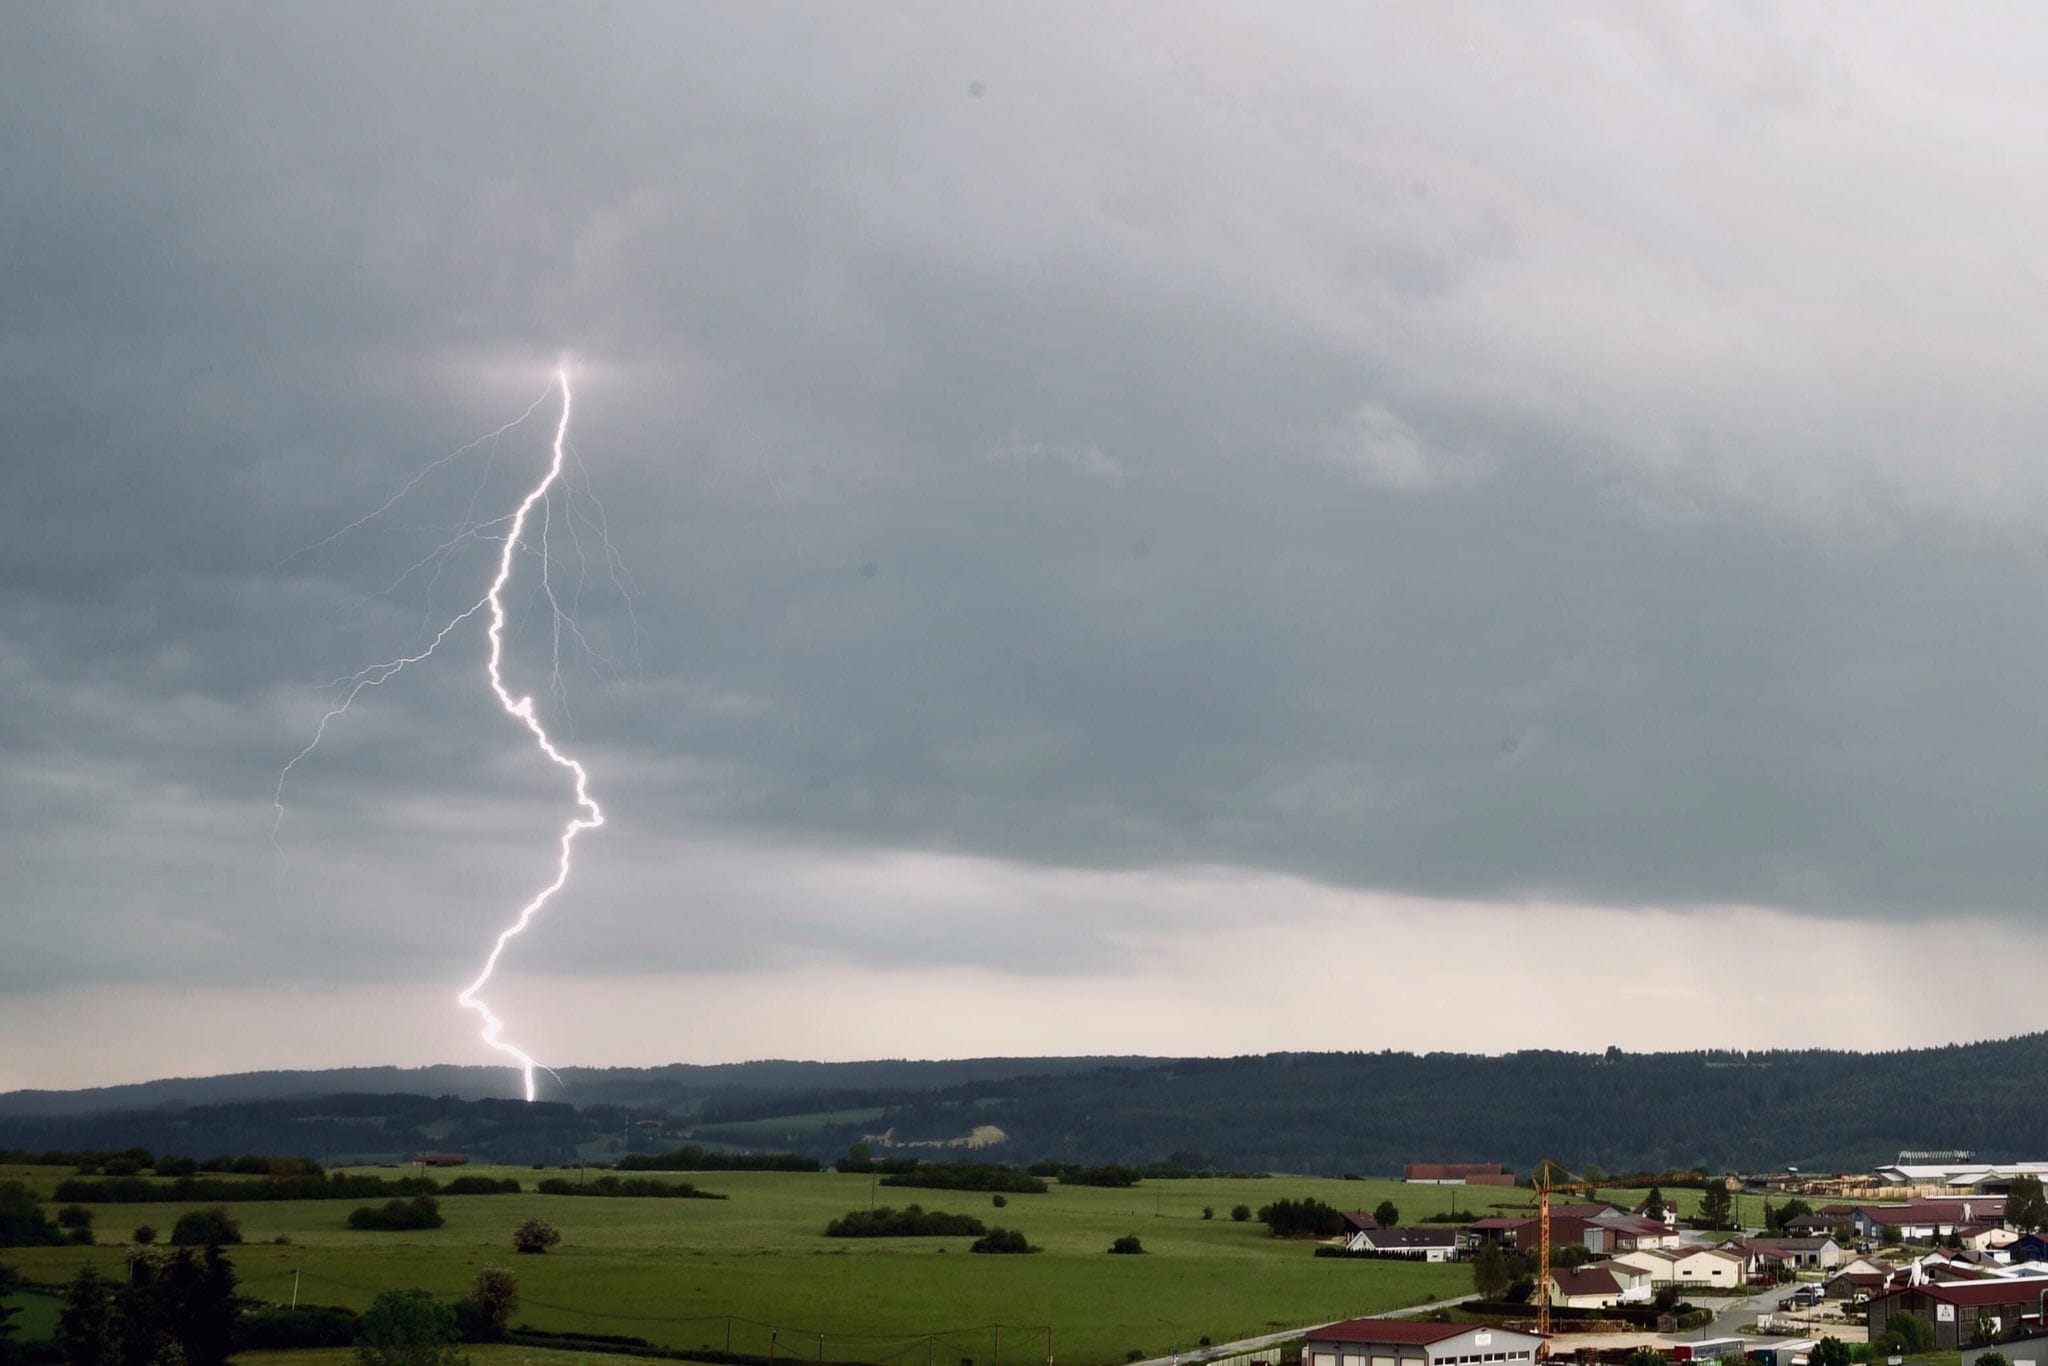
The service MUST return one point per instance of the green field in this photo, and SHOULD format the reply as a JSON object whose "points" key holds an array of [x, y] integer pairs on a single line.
{"points": [[685, 1273]]}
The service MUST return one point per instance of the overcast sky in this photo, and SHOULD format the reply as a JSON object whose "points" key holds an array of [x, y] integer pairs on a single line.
{"points": [[1132, 528]]}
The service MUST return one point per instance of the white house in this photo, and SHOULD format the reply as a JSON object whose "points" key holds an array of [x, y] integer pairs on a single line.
{"points": [[1600, 1285], [1438, 1244]]}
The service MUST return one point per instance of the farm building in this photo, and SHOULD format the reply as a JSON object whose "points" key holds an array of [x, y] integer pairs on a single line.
{"points": [[1408, 1342], [1963, 1311], [1456, 1174]]}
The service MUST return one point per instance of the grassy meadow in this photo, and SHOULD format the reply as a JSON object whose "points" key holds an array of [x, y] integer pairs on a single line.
{"points": [[685, 1273]]}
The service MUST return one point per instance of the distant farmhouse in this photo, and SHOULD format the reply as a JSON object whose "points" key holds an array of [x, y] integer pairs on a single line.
{"points": [[1456, 1174]]}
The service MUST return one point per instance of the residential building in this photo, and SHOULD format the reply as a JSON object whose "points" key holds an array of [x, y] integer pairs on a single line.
{"points": [[1438, 1243]]}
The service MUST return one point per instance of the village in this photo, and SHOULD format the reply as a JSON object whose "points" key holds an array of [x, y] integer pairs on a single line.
{"points": [[1945, 1256]]}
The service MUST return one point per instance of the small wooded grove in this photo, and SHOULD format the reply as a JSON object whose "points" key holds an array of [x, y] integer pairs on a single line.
{"points": [[912, 1221], [422, 1211], [968, 1176]]}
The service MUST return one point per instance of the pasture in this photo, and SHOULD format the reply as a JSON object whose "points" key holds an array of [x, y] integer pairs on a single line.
{"points": [[712, 1274]]}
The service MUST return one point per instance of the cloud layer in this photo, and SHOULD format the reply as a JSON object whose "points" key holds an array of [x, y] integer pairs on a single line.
{"points": [[1398, 452]]}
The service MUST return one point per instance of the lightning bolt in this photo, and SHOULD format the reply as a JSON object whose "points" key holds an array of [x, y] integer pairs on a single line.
{"points": [[521, 709], [589, 815]]}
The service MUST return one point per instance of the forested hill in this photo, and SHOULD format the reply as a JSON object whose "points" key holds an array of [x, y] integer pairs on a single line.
{"points": [[1322, 1112]]}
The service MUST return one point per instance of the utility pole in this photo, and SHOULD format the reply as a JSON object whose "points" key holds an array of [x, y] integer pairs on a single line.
{"points": [[295, 1287]]}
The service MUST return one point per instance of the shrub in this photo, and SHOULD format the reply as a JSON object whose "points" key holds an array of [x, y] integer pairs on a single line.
{"points": [[1002, 1240], [912, 1221], [535, 1235], [999, 1200], [1208, 1211], [213, 1227], [144, 1235], [1111, 1175], [1127, 1245], [480, 1185], [422, 1211], [1241, 1213], [74, 1217], [408, 1328], [278, 1329], [484, 1312]]}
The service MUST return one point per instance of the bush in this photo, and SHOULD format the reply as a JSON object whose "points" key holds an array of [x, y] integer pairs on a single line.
{"points": [[213, 1227], [1241, 1213], [999, 1200], [309, 1325], [913, 1221], [408, 1328], [74, 1217], [1002, 1240], [1208, 1211], [1127, 1245], [535, 1236], [144, 1235], [1111, 1175], [485, 1311], [480, 1185], [422, 1211]]}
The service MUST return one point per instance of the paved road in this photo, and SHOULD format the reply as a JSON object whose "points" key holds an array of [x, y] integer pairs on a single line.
{"points": [[1225, 1349]]}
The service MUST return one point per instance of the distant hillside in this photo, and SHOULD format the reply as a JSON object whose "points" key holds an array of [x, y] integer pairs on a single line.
{"points": [[678, 1087], [1311, 1112]]}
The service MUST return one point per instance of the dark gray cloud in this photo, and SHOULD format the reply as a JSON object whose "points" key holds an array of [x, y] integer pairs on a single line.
{"points": [[1409, 449]]}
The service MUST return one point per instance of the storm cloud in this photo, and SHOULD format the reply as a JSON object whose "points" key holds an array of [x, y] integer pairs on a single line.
{"points": [[1565, 463]]}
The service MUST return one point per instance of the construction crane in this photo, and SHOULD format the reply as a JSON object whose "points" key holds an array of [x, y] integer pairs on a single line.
{"points": [[1550, 1175]]}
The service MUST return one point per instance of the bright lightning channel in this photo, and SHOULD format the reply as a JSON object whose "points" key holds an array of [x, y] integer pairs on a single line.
{"points": [[522, 709], [590, 815]]}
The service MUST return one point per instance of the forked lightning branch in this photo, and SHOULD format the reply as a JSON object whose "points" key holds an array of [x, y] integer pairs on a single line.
{"points": [[588, 815]]}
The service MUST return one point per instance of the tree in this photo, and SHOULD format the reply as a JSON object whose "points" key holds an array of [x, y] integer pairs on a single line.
{"points": [[1240, 1213], [2026, 1206], [1905, 1335], [1127, 1245], [144, 1235], [1991, 1359], [998, 1201], [1489, 1271], [1831, 1351], [22, 1221], [205, 1228], [535, 1235], [1653, 1207], [1776, 1219], [1644, 1356], [1717, 1207], [1385, 1215], [492, 1300], [408, 1328], [85, 1326], [1002, 1240], [10, 1281], [1208, 1211]]}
